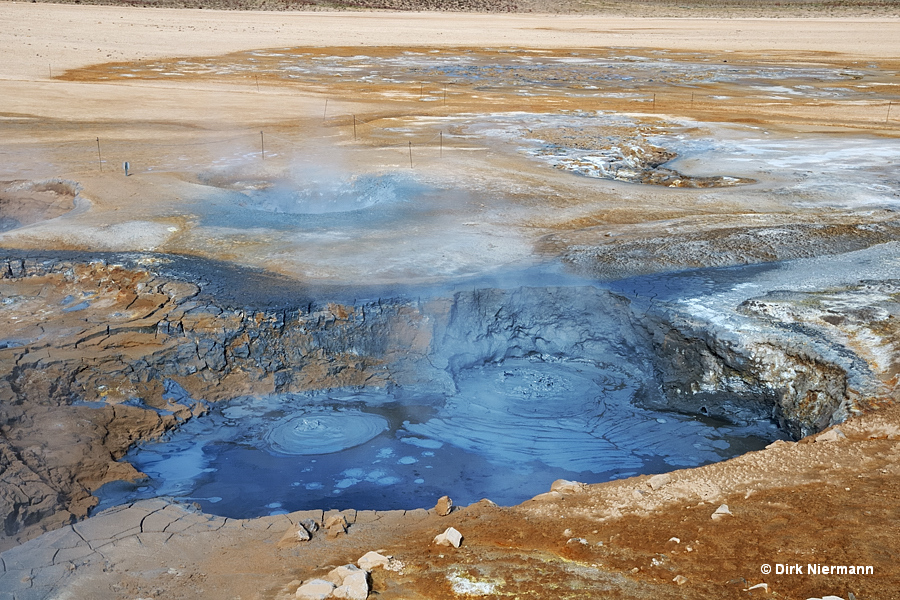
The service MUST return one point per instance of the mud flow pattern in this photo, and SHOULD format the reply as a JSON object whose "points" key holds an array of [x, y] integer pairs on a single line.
{"points": [[509, 431]]}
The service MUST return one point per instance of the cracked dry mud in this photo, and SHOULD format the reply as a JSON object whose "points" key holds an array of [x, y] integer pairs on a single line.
{"points": [[489, 204]]}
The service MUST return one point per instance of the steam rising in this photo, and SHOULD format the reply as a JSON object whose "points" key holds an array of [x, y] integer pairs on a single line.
{"points": [[330, 194]]}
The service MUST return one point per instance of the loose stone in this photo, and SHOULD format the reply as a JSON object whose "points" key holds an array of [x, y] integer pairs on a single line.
{"points": [[311, 525], [658, 481], [336, 526], [315, 589], [721, 513], [355, 586], [450, 537], [832, 435], [444, 506], [564, 486], [370, 560], [294, 535], [338, 575]]}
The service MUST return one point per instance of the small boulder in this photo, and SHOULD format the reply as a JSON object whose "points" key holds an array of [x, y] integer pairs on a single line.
{"points": [[680, 579], [370, 560], [339, 574], [444, 506], [294, 535], [450, 537], [315, 589], [658, 481], [355, 586], [311, 525], [547, 496], [832, 435], [335, 526], [721, 513], [564, 486]]}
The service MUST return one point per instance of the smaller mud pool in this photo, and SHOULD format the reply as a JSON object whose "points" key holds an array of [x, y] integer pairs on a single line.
{"points": [[510, 430]]}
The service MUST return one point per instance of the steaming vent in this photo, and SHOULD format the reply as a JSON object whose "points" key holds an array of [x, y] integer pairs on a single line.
{"points": [[324, 194]]}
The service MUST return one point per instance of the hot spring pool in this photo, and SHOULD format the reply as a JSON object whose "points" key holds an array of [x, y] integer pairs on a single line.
{"points": [[510, 430]]}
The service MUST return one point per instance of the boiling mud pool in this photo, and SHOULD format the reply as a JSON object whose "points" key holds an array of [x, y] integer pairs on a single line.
{"points": [[509, 431]]}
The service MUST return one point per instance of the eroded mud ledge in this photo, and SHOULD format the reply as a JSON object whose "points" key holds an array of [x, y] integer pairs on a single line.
{"points": [[131, 347]]}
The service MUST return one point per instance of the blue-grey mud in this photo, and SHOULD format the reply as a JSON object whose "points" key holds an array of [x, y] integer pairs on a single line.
{"points": [[511, 429]]}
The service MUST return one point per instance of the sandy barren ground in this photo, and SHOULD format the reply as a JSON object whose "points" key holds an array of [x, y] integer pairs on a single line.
{"points": [[66, 37], [183, 97]]}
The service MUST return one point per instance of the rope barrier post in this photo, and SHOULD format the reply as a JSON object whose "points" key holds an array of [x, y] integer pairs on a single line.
{"points": [[410, 155], [890, 102], [99, 158], [354, 127], [442, 144], [262, 142], [325, 112]]}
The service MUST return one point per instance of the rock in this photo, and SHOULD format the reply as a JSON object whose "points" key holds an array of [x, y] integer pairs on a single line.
{"points": [[335, 526], [444, 506], [832, 435], [339, 574], [564, 486], [315, 589], [547, 496], [721, 513], [680, 579], [294, 535], [311, 525], [370, 560], [658, 481], [758, 586], [675, 539], [355, 586], [451, 537]]}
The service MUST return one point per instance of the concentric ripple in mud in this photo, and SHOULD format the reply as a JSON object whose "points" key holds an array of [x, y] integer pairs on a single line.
{"points": [[566, 415], [322, 432]]}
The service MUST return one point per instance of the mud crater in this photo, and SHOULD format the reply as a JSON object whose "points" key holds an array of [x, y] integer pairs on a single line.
{"points": [[25, 202], [495, 393]]}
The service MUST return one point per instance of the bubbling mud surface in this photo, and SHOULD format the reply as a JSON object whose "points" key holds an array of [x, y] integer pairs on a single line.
{"points": [[511, 429], [320, 432]]}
